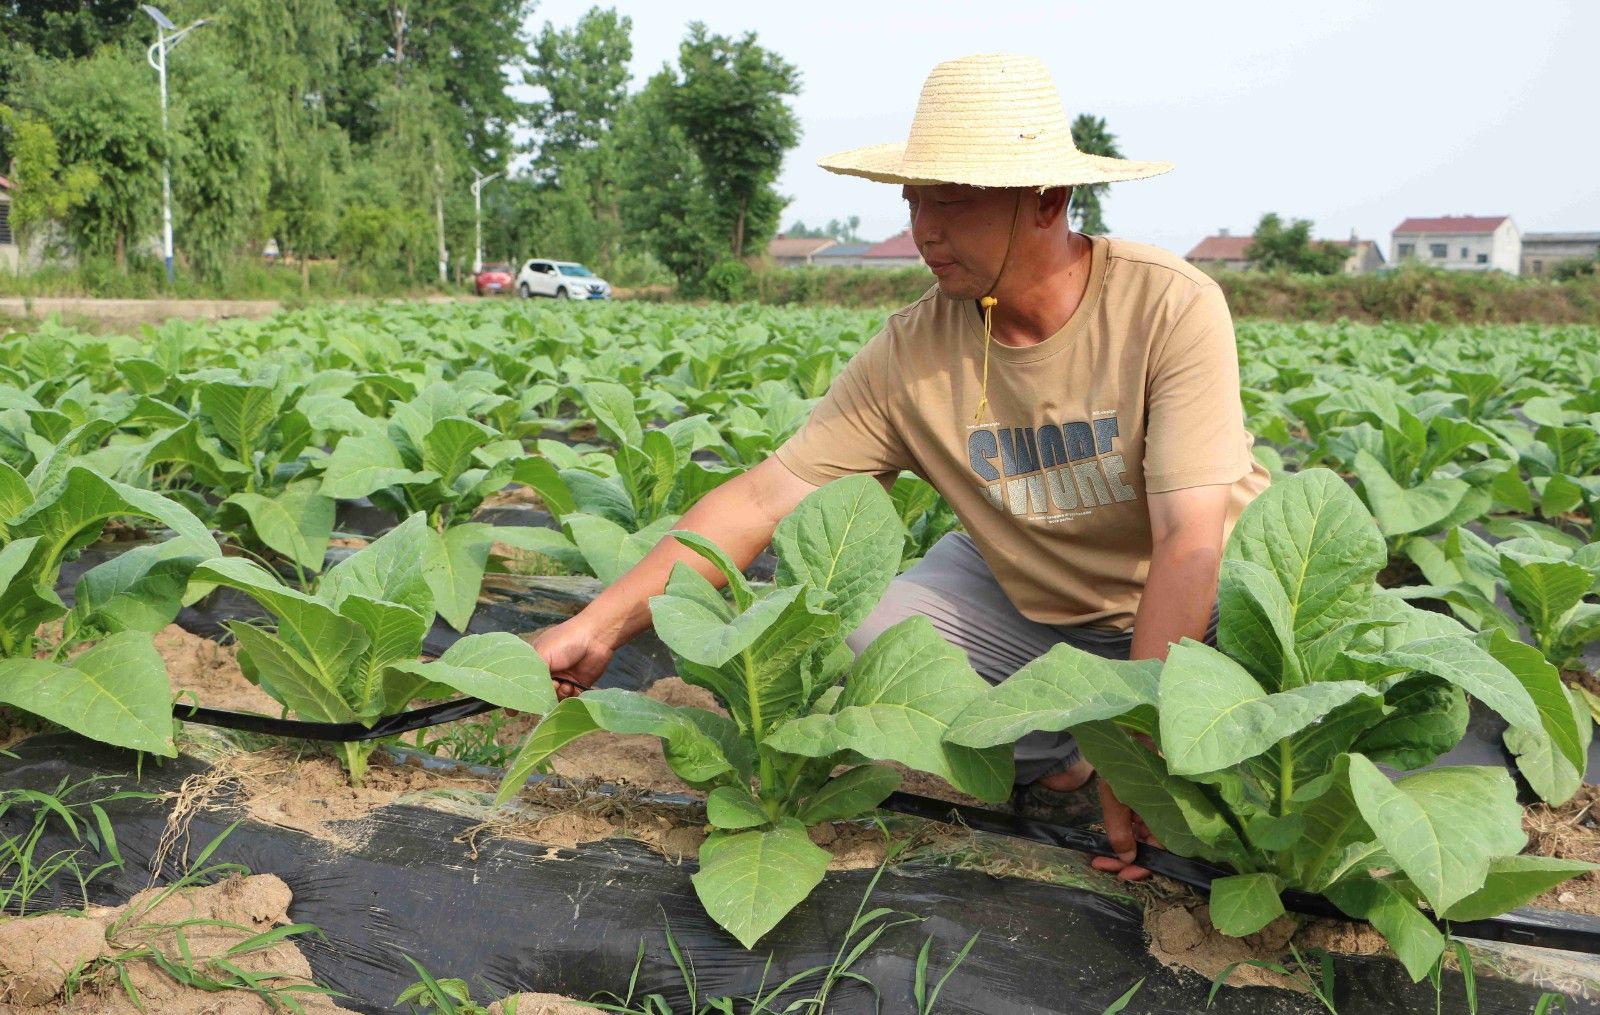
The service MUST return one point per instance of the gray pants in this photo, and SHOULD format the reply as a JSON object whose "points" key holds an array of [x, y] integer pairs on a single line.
{"points": [[954, 588]]}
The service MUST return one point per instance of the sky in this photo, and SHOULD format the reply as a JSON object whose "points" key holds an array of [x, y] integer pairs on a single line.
{"points": [[1354, 114]]}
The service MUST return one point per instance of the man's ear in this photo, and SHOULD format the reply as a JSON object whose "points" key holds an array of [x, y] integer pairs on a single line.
{"points": [[1052, 206]]}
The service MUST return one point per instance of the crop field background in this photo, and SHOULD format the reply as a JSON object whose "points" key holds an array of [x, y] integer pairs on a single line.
{"points": [[375, 472]]}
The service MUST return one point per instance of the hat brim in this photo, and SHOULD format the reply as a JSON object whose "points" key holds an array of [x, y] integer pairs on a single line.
{"points": [[887, 163]]}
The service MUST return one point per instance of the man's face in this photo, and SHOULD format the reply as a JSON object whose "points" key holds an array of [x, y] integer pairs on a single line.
{"points": [[961, 233]]}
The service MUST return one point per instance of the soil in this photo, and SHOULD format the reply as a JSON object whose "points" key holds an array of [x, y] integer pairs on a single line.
{"points": [[210, 672], [541, 1004], [38, 953], [1182, 937], [1584, 679], [349, 543], [1569, 831], [1401, 571], [514, 495]]}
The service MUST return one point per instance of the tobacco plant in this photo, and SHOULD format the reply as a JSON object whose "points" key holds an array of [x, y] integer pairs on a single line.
{"points": [[103, 678], [775, 657], [349, 652], [1268, 745]]}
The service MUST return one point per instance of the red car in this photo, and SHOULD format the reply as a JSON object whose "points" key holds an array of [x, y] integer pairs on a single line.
{"points": [[493, 279]]}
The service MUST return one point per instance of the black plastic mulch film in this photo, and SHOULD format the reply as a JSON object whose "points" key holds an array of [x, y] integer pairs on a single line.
{"points": [[508, 915], [369, 926]]}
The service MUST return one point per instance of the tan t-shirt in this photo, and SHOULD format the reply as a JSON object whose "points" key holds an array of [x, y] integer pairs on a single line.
{"points": [[1137, 394]]}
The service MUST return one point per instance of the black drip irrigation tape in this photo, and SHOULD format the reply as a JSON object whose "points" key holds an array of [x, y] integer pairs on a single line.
{"points": [[1537, 928]]}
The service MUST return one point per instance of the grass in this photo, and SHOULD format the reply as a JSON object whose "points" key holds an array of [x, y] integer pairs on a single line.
{"points": [[26, 873]]}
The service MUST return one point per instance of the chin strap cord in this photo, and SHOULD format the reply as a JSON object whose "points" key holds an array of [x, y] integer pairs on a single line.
{"points": [[988, 302]]}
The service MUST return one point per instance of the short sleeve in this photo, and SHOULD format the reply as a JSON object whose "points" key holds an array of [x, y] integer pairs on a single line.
{"points": [[851, 431], [1194, 433]]}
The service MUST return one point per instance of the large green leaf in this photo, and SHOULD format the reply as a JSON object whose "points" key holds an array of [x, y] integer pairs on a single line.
{"points": [[611, 550], [116, 692], [897, 705], [390, 568], [330, 643], [1552, 755], [1543, 590], [1429, 718], [1399, 510], [731, 809], [447, 449], [1441, 826], [73, 513], [749, 881], [1414, 938], [394, 634], [139, 590], [497, 667], [738, 585], [1244, 903], [1313, 533], [241, 413], [290, 678], [453, 565], [696, 755], [1465, 664], [361, 464], [612, 406], [15, 494], [1332, 825], [1255, 625], [1213, 714], [696, 631], [296, 523], [850, 795], [1060, 689], [843, 540], [543, 476], [1178, 812], [1515, 881]]}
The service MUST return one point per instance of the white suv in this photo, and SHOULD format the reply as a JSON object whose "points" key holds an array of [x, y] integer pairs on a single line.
{"points": [[565, 280]]}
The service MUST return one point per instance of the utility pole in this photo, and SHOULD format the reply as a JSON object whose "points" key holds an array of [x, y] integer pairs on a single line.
{"points": [[477, 218], [438, 211], [157, 57]]}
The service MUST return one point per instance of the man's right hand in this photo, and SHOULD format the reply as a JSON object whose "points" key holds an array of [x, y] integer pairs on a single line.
{"points": [[575, 654]]}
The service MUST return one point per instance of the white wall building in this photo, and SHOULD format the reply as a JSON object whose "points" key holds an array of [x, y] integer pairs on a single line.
{"points": [[9, 255], [1459, 243]]}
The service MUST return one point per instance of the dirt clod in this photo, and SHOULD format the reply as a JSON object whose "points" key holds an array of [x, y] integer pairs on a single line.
{"points": [[1182, 937], [541, 1004]]}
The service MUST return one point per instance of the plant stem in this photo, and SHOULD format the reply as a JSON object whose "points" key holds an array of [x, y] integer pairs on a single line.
{"points": [[1285, 775]]}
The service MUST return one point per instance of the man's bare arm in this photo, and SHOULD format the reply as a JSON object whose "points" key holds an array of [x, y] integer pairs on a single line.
{"points": [[1179, 592], [740, 516]]}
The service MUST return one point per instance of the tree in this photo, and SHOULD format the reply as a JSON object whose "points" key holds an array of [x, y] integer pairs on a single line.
{"points": [[105, 114], [220, 170], [1289, 247], [46, 191], [669, 207], [583, 72], [1092, 137], [730, 105]]}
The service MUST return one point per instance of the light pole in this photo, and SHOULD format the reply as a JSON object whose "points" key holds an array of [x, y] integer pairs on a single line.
{"points": [[157, 55], [477, 218]]}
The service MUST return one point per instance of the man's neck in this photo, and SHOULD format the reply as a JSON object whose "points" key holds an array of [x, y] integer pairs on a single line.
{"points": [[1038, 303]]}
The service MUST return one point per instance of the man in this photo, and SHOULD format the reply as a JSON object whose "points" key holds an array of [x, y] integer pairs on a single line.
{"points": [[1074, 398]]}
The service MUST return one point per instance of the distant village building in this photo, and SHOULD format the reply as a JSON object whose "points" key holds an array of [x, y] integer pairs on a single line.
{"points": [[796, 251], [1460, 243], [898, 251], [1541, 252], [1222, 252], [8, 243], [841, 255], [1232, 253]]}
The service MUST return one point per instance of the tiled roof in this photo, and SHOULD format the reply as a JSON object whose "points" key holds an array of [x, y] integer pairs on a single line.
{"points": [[7, 184], [1222, 248], [1456, 225], [845, 250], [899, 245], [796, 246], [1561, 237]]}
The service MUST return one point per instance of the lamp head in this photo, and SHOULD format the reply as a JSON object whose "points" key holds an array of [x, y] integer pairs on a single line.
{"points": [[160, 19]]}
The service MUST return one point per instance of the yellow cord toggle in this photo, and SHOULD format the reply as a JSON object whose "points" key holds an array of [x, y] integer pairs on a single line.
{"points": [[988, 304]]}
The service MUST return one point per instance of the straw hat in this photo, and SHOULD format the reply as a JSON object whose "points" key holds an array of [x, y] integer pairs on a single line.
{"points": [[993, 120]]}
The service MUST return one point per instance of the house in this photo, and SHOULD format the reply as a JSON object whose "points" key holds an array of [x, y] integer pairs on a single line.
{"points": [[1222, 251], [1460, 243], [1543, 251], [841, 255], [9, 256], [898, 251], [796, 251], [1232, 253]]}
